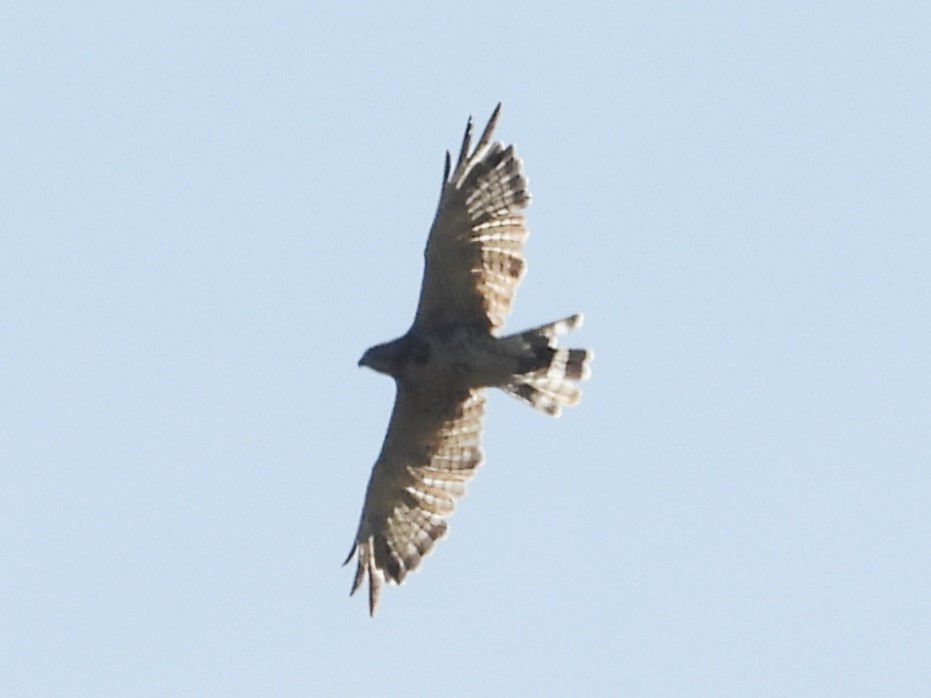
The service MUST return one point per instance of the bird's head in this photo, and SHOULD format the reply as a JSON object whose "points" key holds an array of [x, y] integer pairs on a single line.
{"points": [[384, 358], [391, 358]]}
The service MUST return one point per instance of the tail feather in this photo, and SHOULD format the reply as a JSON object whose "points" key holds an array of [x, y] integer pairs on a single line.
{"points": [[547, 374]]}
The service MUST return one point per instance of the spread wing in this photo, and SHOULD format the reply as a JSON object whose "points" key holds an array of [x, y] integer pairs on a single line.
{"points": [[431, 450], [474, 260]]}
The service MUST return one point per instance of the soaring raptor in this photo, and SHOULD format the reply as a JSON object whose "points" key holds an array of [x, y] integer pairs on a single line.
{"points": [[473, 264]]}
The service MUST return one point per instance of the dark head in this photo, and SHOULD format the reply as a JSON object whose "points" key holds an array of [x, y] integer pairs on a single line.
{"points": [[391, 358]]}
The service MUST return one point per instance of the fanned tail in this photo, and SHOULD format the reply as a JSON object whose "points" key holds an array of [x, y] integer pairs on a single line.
{"points": [[548, 375]]}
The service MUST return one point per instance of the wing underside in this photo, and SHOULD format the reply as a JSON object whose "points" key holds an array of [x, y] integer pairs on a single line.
{"points": [[427, 458], [474, 259]]}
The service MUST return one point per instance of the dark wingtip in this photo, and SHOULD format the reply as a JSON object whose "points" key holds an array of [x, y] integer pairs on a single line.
{"points": [[373, 593], [466, 143], [489, 129]]}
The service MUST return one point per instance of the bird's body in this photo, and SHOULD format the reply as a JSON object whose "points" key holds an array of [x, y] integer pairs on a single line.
{"points": [[459, 358], [442, 365]]}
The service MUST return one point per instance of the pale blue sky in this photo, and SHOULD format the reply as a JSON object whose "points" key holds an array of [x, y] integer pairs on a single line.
{"points": [[210, 210]]}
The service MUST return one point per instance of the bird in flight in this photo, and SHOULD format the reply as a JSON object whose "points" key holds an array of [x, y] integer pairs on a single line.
{"points": [[473, 263]]}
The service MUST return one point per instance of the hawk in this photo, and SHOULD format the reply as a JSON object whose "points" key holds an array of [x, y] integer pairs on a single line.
{"points": [[473, 263]]}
